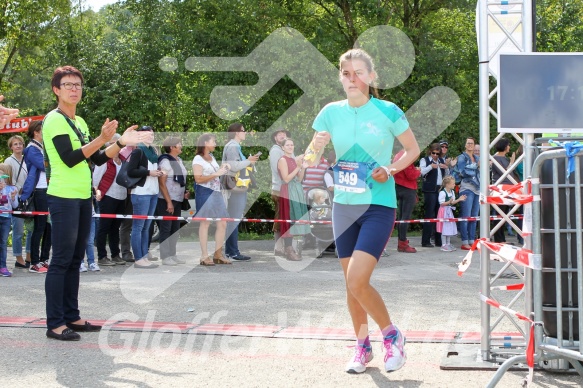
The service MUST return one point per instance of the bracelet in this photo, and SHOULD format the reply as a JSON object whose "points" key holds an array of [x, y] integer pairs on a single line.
{"points": [[119, 144], [387, 171]]}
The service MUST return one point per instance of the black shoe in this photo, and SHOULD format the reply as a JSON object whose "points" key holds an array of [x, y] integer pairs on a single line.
{"points": [[128, 259], [86, 327], [66, 335], [118, 260], [25, 265], [240, 257], [428, 245]]}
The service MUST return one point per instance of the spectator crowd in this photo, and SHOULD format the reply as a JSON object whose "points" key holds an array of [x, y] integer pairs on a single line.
{"points": [[450, 187]]}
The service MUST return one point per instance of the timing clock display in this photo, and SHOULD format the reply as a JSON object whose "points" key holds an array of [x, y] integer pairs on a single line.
{"points": [[539, 92]]}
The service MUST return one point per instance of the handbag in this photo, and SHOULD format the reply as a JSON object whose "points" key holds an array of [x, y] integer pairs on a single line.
{"points": [[25, 206], [185, 205], [123, 179], [228, 182]]}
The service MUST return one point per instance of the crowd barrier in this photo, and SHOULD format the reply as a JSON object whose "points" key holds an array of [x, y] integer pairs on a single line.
{"points": [[557, 288]]}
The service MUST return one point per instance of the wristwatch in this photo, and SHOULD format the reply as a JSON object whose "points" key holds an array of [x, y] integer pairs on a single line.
{"points": [[119, 144], [387, 171]]}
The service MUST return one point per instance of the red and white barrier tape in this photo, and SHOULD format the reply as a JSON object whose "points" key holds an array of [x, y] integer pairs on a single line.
{"points": [[517, 255], [265, 220], [173, 218], [425, 220], [522, 317], [509, 287], [510, 194]]}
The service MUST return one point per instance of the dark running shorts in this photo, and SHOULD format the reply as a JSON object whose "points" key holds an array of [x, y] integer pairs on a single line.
{"points": [[364, 228]]}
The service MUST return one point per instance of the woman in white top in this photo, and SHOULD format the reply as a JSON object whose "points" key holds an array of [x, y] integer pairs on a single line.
{"points": [[143, 163], [19, 174], [208, 197]]}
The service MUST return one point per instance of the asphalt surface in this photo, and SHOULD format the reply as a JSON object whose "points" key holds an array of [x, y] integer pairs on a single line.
{"points": [[262, 323]]}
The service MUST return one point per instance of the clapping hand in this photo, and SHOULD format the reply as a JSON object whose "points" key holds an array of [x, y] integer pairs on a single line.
{"points": [[132, 137], [6, 114], [108, 130]]}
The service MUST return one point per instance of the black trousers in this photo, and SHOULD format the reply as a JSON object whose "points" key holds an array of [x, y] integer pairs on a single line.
{"points": [[168, 229], [431, 209], [71, 220], [406, 200], [109, 227]]}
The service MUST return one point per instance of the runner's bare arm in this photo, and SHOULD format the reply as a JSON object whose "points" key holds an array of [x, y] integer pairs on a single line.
{"points": [[316, 148]]}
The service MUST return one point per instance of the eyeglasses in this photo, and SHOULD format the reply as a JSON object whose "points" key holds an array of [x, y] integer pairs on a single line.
{"points": [[435, 153], [69, 85]]}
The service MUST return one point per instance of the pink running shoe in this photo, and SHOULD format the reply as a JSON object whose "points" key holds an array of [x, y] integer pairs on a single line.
{"points": [[362, 356], [394, 344]]}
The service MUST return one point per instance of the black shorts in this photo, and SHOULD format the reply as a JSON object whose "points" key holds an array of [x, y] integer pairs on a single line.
{"points": [[364, 228]]}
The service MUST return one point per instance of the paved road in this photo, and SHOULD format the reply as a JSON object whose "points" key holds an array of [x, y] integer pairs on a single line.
{"points": [[262, 323]]}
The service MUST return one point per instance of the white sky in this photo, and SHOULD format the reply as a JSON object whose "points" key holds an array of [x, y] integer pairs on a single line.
{"points": [[97, 4]]}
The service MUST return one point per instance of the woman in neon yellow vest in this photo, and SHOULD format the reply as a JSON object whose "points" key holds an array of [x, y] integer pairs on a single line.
{"points": [[67, 148]]}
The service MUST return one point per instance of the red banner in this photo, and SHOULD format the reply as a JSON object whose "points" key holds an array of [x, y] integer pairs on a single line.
{"points": [[19, 124]]}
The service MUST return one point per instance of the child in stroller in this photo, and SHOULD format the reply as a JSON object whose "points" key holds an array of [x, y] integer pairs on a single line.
{"points": [[320, 209], [320, 205]]}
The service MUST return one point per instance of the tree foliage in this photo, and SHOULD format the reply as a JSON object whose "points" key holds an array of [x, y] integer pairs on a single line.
{"points": [[119, 50]]}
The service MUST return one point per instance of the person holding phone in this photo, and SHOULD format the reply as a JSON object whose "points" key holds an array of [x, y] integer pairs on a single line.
{"points": [[237, 201]]}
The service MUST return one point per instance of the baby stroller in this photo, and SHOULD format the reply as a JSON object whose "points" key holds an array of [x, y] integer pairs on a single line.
{"points": [[319, 203]]}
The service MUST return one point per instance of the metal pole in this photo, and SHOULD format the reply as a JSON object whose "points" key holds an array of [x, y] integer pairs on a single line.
{"points": [[484, 102], [527, 41]]}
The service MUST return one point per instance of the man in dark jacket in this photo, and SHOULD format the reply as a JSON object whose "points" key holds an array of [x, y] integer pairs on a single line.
{"points": [[433, 170]]}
